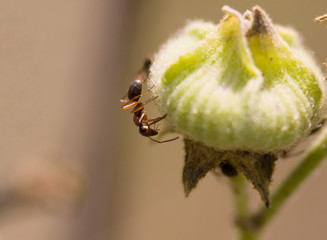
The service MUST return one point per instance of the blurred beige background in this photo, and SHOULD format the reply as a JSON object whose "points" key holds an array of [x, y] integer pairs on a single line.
{"points": [[66, 145]]}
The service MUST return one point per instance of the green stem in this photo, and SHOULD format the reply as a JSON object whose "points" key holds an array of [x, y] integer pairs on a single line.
{"points": [[240, 190], [314, 156]]}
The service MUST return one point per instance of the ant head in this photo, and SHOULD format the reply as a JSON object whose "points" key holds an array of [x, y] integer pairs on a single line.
{"points": [[147, 131]]}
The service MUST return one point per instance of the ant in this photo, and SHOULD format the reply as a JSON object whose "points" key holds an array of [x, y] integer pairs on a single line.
{"points": [[131, 99]]}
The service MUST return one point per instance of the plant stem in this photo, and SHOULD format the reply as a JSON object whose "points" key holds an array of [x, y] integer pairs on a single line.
{"points": [[314, 156], [250, 226], [240, 190]]}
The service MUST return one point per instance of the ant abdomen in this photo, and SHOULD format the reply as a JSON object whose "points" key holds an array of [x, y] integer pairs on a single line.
{"points": [[135, 90]]}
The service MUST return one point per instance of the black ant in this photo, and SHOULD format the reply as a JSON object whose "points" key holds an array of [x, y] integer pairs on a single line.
{"points": [[134, 93]]}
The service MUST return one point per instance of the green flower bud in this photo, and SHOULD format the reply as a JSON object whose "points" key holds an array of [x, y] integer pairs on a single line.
{"points": [[242, 85]]}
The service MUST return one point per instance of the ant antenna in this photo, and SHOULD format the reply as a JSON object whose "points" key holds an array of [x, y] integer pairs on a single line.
{"points": [[169, 140]]}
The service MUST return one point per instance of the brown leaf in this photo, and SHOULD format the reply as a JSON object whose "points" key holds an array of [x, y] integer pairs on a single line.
{"points": [[199, 160], [256, 167]]}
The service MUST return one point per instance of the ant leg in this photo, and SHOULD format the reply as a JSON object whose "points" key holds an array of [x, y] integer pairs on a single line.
{"points": [[146, 102], [152, 121], [130, 104], [143, 118], [124, 99], [138, 96], [169, 140]]}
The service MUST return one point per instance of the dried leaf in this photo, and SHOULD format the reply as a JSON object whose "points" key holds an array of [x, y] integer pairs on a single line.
{"points": [[256, 167], [199, 160]]}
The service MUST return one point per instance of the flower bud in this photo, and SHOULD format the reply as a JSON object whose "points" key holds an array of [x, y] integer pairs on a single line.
{"points": [[242, 85], [239, 92]]}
